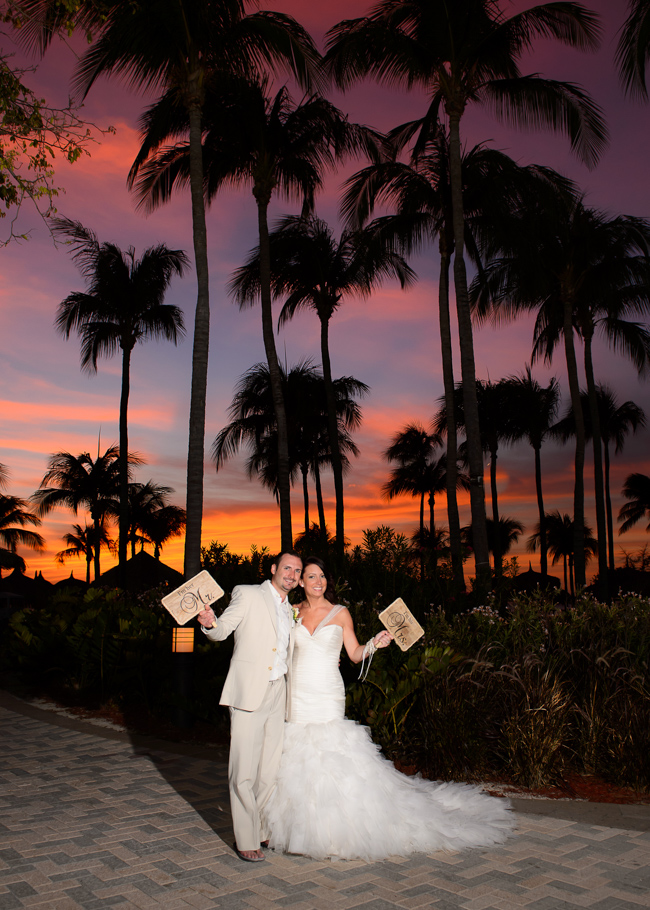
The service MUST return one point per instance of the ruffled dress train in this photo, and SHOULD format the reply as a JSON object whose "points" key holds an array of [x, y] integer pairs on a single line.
{"points": [[338, 797]]}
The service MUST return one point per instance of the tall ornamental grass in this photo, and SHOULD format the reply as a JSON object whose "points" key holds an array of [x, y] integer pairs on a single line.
{"points": [[531, 692]]}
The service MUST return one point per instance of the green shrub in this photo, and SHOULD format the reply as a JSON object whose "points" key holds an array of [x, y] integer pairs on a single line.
{"points": [[540, 691]]}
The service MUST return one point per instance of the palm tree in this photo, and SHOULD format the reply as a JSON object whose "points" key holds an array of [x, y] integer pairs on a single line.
{"points": [[15, 515], [433, 543], [509, 532], [418, 472], [561, 543], [637, 490], [465, 53], [81, 542], [315, 541], [152, 519], [633, 49], [274, 146], [420, 193], [76, 481], [616, 422], [501, 537], [584, 273], [417, 480], [123, 305], [497, 424], [613, 284], [314, 270], [534, 408], [187, 48], [253, 423], [163, 525]]}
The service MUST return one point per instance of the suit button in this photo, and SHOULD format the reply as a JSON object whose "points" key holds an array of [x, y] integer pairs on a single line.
{"points": [[275, 649], [270, 668]]}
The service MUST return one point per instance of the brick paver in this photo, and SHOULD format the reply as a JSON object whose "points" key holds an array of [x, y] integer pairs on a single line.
{"points": [[91, 820]]}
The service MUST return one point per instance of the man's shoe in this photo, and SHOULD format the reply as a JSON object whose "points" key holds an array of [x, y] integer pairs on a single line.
{"points": [[249, 856]]}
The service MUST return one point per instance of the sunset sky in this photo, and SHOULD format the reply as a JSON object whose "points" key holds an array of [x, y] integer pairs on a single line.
{"points": [[389, 342]]}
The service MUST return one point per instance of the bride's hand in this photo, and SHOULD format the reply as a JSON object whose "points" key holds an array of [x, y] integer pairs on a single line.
{"points": [[383, 639]]}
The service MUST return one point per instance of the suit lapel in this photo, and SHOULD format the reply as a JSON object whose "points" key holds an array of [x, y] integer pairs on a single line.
{"points": [[269, 600]]}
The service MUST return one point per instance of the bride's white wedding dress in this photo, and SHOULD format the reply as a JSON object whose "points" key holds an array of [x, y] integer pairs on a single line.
{"points": [[337, 796]]}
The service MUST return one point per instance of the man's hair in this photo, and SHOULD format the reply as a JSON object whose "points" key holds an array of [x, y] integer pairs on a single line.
{"points": [[276, 559]]}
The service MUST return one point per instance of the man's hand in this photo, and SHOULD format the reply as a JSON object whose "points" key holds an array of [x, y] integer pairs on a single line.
{"points": [[207, 618]]}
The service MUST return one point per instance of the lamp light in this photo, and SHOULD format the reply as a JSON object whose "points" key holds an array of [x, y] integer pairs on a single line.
{"points": [[182, 640]]}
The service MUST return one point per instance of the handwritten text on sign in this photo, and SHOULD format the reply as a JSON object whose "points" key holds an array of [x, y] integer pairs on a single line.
{"points": [[401, 623], [192, 597]]}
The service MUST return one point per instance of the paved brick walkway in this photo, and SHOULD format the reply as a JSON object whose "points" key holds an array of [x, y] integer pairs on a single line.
{"points": [[93, 819]]}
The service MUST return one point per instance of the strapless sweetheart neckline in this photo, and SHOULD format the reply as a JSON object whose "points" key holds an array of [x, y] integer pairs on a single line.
{"points": [[330, 625]]}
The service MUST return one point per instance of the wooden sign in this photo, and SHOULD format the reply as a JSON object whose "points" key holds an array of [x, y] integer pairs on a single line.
{"points": [[401, 623], [192, 597]]}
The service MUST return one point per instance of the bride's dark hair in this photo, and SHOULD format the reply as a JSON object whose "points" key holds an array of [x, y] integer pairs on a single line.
{"points": [[329, 590]]}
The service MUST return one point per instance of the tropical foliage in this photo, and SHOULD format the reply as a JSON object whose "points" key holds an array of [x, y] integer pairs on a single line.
{"points": [[311, 269], [15, 517], [254, 423], [186, 48], [33, 136], [79, 481], [221, 119], [82, 542], [463, 54], [637, 491], [123, 305], [533, 692]]}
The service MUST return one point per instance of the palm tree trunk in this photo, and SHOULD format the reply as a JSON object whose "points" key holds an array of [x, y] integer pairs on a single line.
{"points": [[89, 559], [319, 502], [596, 442], [432, 529], [196, 442], [124, 470], [455, 544], [608, 508], [96, 517], [305, 494], [498, 561], [468, 370], [578, 488], [543, 546], [262, 196], [422, 495], [333, 429]]}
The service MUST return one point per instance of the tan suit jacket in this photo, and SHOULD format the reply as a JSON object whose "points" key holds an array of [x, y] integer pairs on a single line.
{"points": [[251, 615]]}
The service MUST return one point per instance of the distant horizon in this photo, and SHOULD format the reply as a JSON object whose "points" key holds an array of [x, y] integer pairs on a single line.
{"points": [[390, 341]]}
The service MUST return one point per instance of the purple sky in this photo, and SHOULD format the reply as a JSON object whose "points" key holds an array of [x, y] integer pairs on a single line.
{"points": [[390, 341]]}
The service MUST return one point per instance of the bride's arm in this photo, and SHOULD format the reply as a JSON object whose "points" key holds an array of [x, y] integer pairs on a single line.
{"points": [[354, 650]]}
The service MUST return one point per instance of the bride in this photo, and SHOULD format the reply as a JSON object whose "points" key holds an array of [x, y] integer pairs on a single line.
{"points": [[336, 796]]}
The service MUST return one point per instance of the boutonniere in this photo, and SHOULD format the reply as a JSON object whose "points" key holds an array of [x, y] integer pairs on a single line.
{"points": [[295, 615]]}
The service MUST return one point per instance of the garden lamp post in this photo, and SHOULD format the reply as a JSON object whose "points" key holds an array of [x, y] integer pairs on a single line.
{"points": [[182, 649]]}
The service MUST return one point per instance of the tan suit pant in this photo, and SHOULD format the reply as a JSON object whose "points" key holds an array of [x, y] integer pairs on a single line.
{"points": [[255, 753]]}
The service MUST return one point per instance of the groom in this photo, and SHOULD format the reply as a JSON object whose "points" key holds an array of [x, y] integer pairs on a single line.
{"points": [[255, 691]]}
